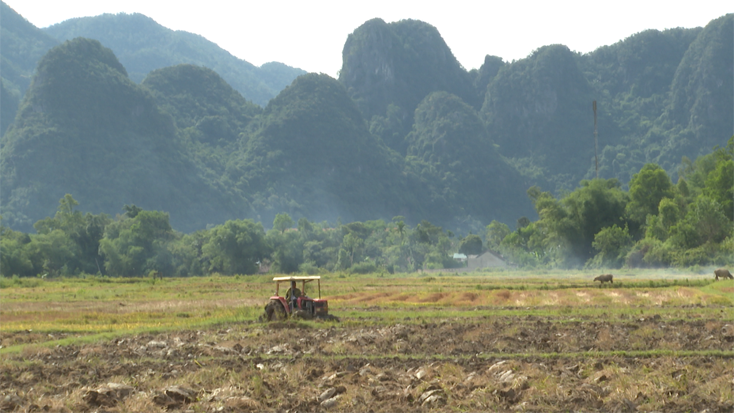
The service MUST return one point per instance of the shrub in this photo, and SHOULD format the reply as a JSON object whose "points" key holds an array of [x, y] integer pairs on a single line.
{"points": [[649, 253], [695, 256], [363, 267], [308, 268]]}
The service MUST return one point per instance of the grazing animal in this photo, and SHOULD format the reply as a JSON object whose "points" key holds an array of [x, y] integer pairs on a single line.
{"points": [[603, 278], [723, 273]]}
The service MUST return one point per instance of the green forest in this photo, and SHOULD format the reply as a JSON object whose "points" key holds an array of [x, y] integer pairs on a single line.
{"points": [[139, 242], [654, 224], [423, 157], [598, 225]]}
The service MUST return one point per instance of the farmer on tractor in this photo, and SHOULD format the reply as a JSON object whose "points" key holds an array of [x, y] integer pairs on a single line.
{"points": [[291, 296], [296, 301]]}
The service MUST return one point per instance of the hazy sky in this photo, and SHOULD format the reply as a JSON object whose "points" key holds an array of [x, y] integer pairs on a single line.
{"points": [[311, 34]]}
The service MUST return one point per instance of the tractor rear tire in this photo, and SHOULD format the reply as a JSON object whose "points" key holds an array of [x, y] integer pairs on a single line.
{"points": [[274, 311]]}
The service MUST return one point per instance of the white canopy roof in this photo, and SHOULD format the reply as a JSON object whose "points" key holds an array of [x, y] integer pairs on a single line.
{"points": [[298, 278]]}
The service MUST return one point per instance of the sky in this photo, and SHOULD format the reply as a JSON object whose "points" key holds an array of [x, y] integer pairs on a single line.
{"points": [[311, 34]]}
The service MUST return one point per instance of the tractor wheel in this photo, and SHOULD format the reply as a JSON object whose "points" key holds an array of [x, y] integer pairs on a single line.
{"points": [[274, 311], [309, 308]]}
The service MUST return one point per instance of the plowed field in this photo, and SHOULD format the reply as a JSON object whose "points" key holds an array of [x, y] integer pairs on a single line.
{"points": [[388, 358]]}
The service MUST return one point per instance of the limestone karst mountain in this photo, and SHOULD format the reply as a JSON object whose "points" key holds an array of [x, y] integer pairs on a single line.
{"points": [[405, 130], [21, 46], [142, 45], [85, 128]]}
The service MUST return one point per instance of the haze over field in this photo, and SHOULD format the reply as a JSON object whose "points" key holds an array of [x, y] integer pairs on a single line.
{"points": [[310, 35]]}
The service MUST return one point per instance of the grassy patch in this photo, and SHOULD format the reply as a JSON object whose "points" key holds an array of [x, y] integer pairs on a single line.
{"points": [[98, 306]]}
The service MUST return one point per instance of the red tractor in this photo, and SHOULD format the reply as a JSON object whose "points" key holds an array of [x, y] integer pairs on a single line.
{"points": [[296, 303]]}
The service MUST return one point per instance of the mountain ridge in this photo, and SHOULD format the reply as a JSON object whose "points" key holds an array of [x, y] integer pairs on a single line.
{"points": [[326, 148], [106, 142], [143, 45], [22, 44]]}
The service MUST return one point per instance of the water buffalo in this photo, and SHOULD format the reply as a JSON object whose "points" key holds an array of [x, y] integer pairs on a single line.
{"points": [[723, 273], [603, 278]]}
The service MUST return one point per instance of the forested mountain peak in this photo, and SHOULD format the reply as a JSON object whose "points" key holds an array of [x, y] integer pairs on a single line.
{"points": [[108, 25], [450, 141], [400, 63], [279, 75], [486, 73], [21, 44], [308, 127], [314, 92], [312, 145], [85, 128], [667, 95], [143, 45], [454, 127], [12, 22], [702, 87], [539, 107], [82, 69], [646, 61], [198, 97]]}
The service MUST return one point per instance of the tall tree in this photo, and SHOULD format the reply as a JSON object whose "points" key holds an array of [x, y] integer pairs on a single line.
{"points": [[647, 189], [282, 222], [136, 246], [236, 247], [720, 186], [471, 245]]}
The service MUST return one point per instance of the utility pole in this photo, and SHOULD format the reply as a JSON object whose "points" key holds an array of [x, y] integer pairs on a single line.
{"points": [[596, 146]]}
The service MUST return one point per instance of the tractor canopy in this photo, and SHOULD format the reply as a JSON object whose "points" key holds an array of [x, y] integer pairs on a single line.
{"points": [[302, 280], [296, 301]]}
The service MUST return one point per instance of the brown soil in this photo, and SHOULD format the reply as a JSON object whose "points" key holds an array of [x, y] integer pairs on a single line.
{"points": [[510, 363]]}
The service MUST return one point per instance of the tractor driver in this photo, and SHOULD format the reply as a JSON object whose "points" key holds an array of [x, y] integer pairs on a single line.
{"points": [[292, 297]]}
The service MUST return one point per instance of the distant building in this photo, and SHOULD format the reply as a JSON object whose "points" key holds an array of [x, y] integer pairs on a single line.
{"points": [[486, 260], [473, 263], [264, 266]]}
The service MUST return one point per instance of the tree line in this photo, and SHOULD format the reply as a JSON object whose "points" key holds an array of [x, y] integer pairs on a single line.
{"points": [[653, 224], [140, 242], [599, 225]]}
